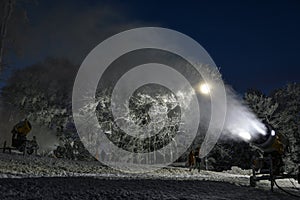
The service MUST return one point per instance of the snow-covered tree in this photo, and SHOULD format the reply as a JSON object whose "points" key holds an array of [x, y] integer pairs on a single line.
{"points": [[42, 93]]}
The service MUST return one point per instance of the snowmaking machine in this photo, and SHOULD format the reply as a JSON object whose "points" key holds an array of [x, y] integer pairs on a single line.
{"points": [[19, 139], [268, 163]]}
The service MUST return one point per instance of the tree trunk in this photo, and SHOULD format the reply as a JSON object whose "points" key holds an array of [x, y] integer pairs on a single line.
{"points": [[7, 8]]}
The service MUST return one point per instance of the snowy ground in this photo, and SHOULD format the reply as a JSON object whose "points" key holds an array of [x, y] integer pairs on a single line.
{"points": [[49, 178]]}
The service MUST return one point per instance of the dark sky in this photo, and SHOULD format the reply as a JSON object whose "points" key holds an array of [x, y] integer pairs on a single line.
{"points": [[256, 44]]}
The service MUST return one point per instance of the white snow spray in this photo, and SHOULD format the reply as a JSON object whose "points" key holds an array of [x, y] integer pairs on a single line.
{"points": [[241, 122]]}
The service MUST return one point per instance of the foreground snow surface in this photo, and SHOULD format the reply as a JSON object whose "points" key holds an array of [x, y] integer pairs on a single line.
{"points": [[36, 177]]}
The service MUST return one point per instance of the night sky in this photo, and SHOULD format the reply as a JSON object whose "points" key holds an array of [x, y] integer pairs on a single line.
{"points": [[255, 44]]}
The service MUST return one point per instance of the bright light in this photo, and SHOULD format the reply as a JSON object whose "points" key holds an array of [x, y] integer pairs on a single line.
{"points": [[204, 88], [245, 135], [273, 133]]}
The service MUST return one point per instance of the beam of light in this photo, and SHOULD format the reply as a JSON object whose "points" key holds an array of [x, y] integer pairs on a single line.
{"points": [[245, 135], [204, 88]]}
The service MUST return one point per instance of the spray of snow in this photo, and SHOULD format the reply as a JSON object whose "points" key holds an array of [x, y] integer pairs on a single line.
{"points": [[45, 137], [241, 122]]}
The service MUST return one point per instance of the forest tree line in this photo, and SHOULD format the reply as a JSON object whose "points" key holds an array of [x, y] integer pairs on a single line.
{"points": [[43, 94]]}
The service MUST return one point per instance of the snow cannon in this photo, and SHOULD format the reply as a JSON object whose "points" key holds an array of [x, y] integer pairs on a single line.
{"points": [[22, 128], [19, 138], [268, 164], [270, 142]]}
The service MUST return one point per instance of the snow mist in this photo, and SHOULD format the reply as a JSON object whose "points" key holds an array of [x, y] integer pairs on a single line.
{"points": [[46, 138], [241, 122]]}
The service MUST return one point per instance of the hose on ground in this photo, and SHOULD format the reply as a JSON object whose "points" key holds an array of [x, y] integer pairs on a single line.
{"points": [[285, 190]]}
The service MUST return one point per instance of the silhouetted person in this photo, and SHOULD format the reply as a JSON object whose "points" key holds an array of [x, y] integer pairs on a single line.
{"points": [[191, 160], [197, 159]]}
